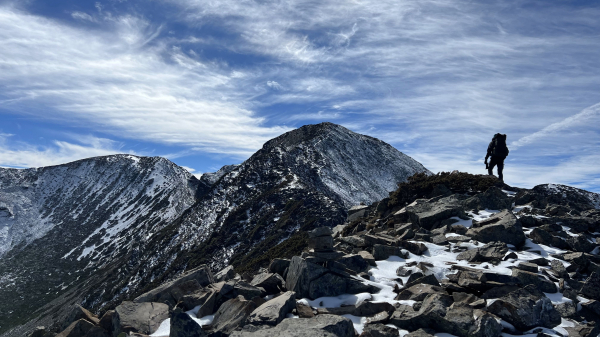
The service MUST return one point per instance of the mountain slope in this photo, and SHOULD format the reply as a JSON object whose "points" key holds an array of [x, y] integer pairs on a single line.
{"points": [[61, 223], [305, 178]]}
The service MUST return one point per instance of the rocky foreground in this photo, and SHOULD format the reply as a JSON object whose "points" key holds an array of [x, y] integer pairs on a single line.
{"points": [[454, 253]]}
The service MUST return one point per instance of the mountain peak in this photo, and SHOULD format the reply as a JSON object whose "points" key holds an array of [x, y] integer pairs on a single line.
{"points": [[306, 133]]}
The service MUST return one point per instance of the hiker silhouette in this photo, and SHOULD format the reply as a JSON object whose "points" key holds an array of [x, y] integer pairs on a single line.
{"points": [[498, 151]]}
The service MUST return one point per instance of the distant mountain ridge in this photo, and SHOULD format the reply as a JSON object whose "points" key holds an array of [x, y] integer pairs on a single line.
{"points": [[149, 220]]}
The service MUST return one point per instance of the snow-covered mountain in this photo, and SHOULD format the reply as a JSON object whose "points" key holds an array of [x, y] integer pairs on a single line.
{"points": [[59, 224], [101, 230]]}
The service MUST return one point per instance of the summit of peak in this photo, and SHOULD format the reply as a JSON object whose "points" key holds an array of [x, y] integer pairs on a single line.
{"points": [[307, 133]]}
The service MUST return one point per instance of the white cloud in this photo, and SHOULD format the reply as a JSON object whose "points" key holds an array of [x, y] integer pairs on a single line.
{"points": [[25, 155], [82, 16], [119, 84]]}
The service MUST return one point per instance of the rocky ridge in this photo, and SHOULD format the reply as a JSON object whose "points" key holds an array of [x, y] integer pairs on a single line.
{"points": [[452, 253]]}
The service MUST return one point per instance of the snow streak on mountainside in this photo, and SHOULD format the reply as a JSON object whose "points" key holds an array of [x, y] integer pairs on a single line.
{"points": [[61, 223]]}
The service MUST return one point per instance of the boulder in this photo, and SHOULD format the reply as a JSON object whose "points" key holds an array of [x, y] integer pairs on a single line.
{"points": [[492, 198], [354, 262], [271, 282], [367, 309], [143, 317], [76, 313], [544, 237], [566, 309], [429, 214], [432, 312], [182, 325], [300, 274], [591, 287], [535, 279], [526, 266], [106, 320], [232, 314], [419, 292], [248, 290], [421, 333], [580, 244], [367, 257], [76, 329], [185, 284], [590, 329], [489, 252], [378, 330], [225, 274], [205, 298], [311, 280], [559, 269], [279, 266], [383, 252], [525, 310], [427, 279], [503, 226], [327, 285], [304, 311], [486, 325], [273, 311], [318, 326]]}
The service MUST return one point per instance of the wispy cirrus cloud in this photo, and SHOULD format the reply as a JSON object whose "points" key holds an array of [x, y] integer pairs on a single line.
{"points": [[436, 78]]}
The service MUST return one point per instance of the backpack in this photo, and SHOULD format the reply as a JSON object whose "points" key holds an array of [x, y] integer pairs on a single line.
{"points": [[499, 148]]}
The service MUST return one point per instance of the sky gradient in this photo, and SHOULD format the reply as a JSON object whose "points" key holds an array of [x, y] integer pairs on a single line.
{"points": [[206, 83]]}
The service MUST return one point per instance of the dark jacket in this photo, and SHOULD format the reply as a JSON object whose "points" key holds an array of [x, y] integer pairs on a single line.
{"points": [[497, 147]]}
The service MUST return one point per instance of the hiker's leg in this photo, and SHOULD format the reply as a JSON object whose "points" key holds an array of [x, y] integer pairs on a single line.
{"points": [[491, 166], [500, 169]]}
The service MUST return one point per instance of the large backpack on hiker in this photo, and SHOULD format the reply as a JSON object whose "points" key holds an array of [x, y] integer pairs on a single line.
{"points": [[499, 148]]}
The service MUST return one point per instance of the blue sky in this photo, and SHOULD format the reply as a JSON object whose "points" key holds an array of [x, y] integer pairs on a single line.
{"points": [[206, 83]]}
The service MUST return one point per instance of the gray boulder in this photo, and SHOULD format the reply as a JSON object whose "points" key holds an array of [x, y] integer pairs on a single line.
{"points": [[493, 198], [379, 330], [206, 299], [590, 329], [383, 252], [271, 282], [525, 310], [354, 262], [318, 326], [367, 309], [273, 311], [225, 274], [232, 314], [591, 287], [421, 333], [300, 274], [311, 280], [182, 325], [172, 291], [489, 252], [544, 237], [535, 279], [248, 290], [580, 244], [486, 325], [503, 226], [279, 266], [143, 317], [429, 214]]}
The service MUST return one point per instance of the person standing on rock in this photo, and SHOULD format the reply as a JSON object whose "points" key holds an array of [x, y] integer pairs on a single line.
{"points": [[498, 151]]}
